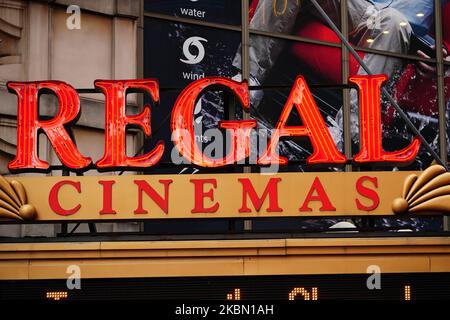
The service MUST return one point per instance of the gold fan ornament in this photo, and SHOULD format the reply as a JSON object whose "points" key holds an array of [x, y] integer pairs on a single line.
{"points": [[13, 201], [428, 192]]}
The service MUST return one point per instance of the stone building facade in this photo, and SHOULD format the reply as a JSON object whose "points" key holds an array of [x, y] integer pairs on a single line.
{"points": [[76, 41]]}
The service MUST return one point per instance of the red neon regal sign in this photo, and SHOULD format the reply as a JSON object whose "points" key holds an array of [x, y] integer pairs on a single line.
{"points": [[116, 120]]}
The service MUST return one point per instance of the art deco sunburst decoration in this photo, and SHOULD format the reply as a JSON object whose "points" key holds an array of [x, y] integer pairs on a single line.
{"points": [[13, 201], [427, 193]]}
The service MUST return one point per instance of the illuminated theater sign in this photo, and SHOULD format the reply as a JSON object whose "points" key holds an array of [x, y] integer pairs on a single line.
{"points": [[208, 196]]}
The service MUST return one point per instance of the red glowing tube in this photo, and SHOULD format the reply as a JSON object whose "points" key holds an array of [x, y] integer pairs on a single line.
{"points": [[314, 128], [28, 125], [183, 127], [370, 124], [116, 121]]}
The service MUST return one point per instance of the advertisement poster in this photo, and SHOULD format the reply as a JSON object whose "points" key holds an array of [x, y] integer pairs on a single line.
{"points": [[178, 53]]}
